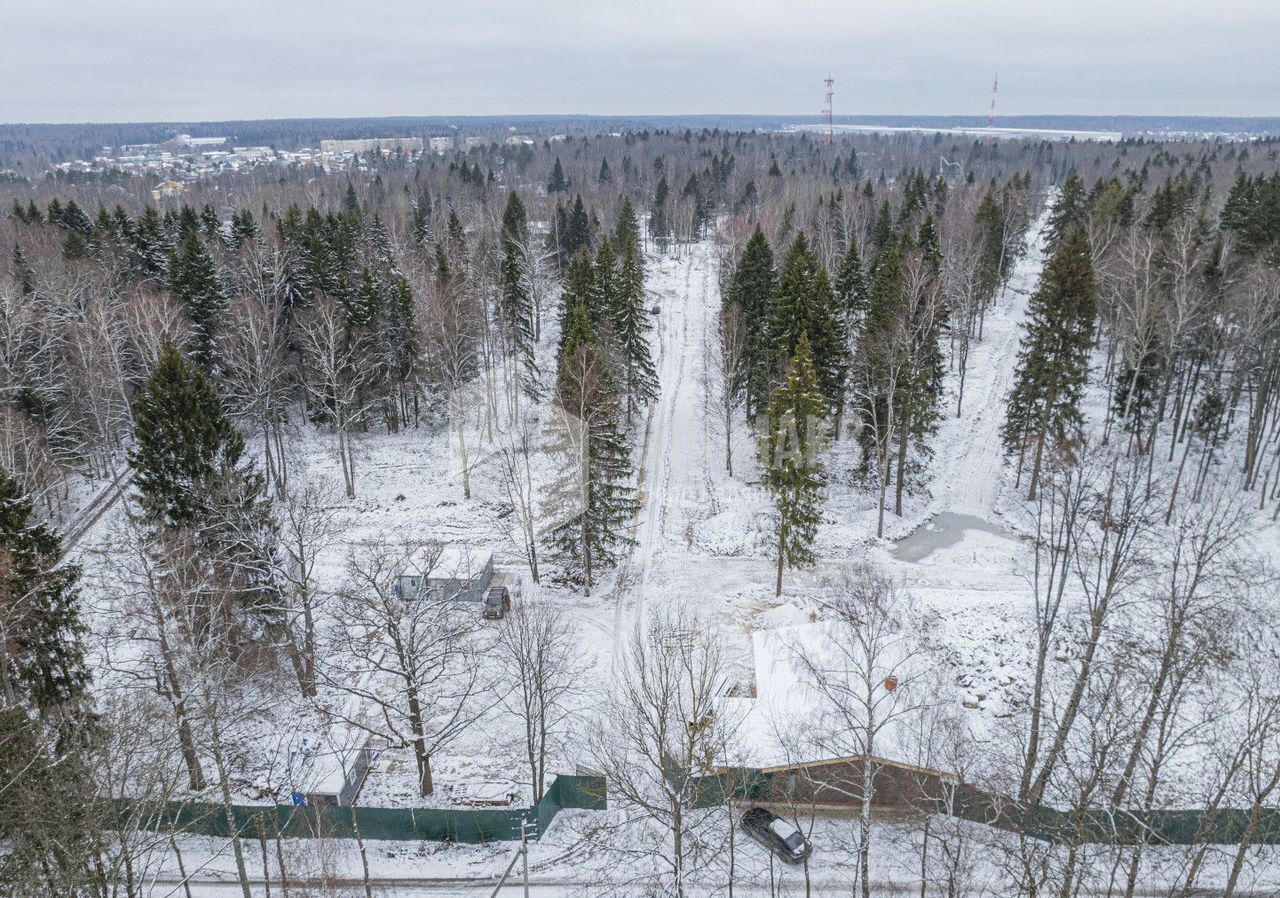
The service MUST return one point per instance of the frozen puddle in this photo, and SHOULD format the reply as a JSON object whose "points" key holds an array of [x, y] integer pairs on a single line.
{"points": [[941, 532]]}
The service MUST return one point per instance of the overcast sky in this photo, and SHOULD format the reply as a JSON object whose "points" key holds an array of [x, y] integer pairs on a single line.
{"points": [[135, 60]]}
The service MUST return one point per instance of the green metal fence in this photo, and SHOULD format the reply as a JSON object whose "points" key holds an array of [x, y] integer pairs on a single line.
{"points": [[397, 824], [1119, 826]]}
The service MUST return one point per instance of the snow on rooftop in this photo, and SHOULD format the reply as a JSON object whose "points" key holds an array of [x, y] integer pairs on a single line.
{"points": [[789, 719], [459, 562]]}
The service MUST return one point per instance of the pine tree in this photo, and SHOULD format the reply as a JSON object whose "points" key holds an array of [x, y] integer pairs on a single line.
{"points": [[1053, 361], [422, 232], [558, 183], [194, 280], [793, 474], [885, 305], [595, 496], [605, 176], [752, 288], [364, 304]]}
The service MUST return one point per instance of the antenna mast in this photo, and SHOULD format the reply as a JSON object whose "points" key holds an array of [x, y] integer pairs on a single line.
{"points": [[991, 114], [826, 109]]}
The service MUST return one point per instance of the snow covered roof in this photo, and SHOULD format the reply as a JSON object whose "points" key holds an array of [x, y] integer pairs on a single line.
{"points": [[458, 562], [788, 706]]}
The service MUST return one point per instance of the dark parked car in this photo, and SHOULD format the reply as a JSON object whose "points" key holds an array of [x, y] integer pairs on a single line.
{"points": [[777, 835], [497, 602]]}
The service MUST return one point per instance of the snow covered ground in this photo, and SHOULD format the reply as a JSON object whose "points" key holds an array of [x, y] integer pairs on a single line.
{"points": [[702, 542]]}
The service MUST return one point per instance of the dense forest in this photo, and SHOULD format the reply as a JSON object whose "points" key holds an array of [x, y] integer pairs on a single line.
{"points": [[493, 313]]}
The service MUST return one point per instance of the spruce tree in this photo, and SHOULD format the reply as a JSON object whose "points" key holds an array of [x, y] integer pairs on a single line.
{"points": [[579, 290], [793, 474], [632, 325], [626, 231], [595, 497], [185, 446], [43, 662], [1053, 361], [47, 723], [851, 288], [805, 304], [994, 262], [558, 183], [752, 287], [193, 278], [1070, 211], [516, 306], [659, 221]]}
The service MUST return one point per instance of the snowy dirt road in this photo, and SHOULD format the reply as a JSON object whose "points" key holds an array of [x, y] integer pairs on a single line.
{"points": [[971, 461]]}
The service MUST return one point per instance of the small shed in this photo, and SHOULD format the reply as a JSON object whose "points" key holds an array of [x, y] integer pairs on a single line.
{"points": [[325, 772], [458, 572]]}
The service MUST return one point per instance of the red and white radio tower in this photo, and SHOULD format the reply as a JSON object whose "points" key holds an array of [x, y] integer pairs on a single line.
{"points": [[991, 114], [826, 109]]}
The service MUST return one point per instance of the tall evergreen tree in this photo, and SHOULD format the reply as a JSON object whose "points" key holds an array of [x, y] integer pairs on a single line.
{"points": [[659, 215], [46, 717], [558, 183], [1070, 211], [516, 306], [805, 304], [626, 231], [42, 656], [851, 287], [1053, 361], [793, 473], [185, 446], [752, 288], [595, 499], [193, 278], [632, 325]]}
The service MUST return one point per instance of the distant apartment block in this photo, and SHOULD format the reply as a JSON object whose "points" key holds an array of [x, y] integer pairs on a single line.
{"points": [[372, 144], [440, 144]]}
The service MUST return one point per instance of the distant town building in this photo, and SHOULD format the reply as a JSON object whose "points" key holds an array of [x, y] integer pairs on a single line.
{"points": [[167, 189], [472, 143], [440, 144], [254, 152], [372, 144], [186, 140]]}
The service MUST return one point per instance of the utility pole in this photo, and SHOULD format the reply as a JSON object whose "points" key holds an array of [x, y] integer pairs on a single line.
{"points": [[526, 829], [524, 851]]}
